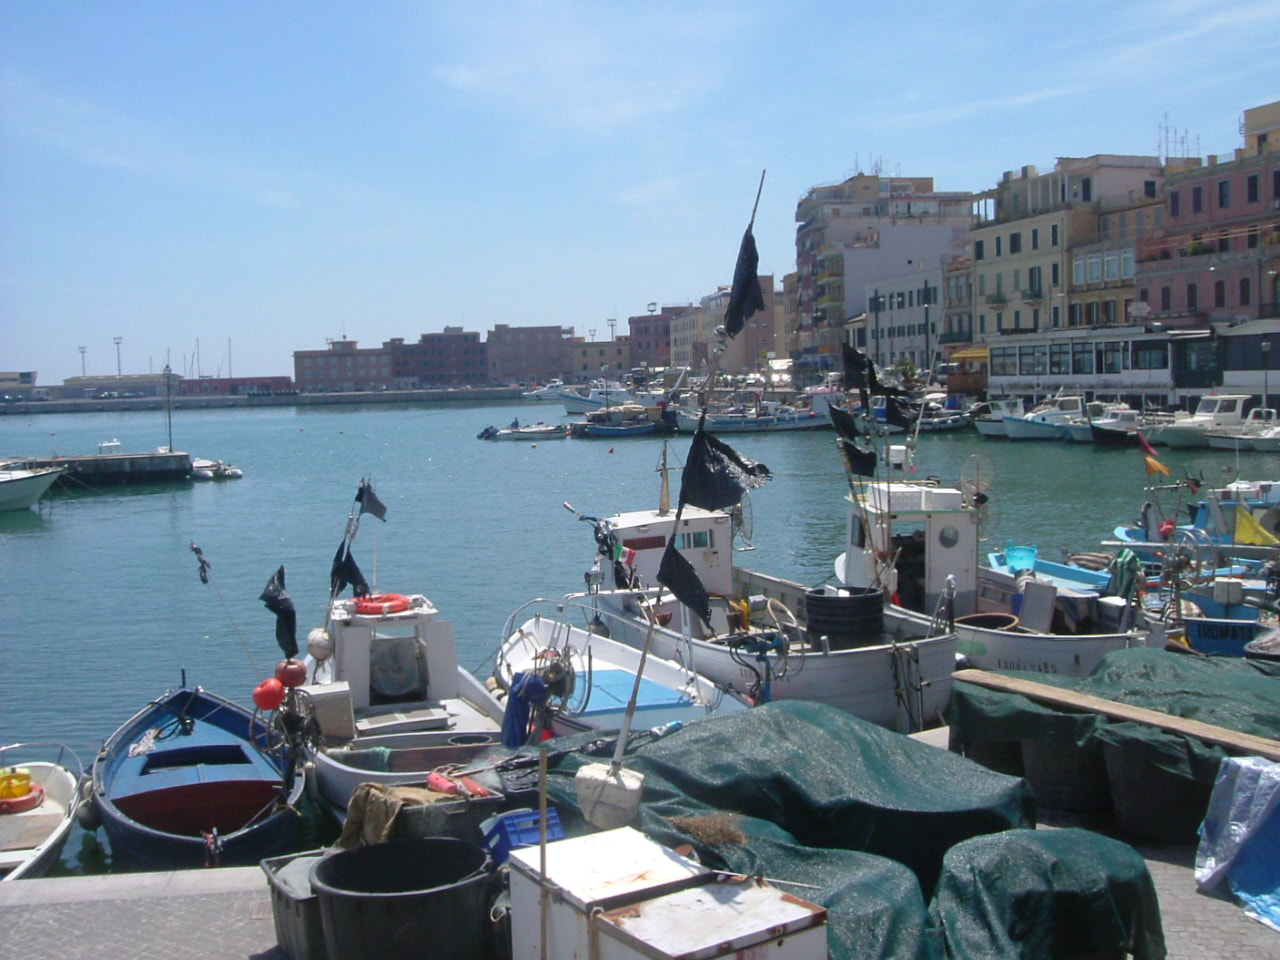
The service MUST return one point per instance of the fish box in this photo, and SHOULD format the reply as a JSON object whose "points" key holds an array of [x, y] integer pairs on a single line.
{"points": [[603, 870]]}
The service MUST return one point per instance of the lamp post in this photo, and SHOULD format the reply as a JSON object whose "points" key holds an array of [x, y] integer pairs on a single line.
{"points": [[613, 327], [926, 297], [82, 350], [117, 340]]}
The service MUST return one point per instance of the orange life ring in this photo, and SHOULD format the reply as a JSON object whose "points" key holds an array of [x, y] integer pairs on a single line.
{"points": [[28, 802], [380, 604]]}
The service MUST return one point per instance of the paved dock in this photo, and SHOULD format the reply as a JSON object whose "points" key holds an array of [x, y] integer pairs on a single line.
{"points": [[226, 915]]}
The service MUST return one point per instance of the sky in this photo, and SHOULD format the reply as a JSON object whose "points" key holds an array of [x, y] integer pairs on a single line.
{"points": [[221, 184]]}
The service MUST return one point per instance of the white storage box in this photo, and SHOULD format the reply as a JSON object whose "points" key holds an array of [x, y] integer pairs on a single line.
{"points": [[715, 920], [332, 702], [606, 870]]}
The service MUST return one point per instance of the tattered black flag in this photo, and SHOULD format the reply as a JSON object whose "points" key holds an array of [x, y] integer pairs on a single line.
{"points": [[344, 571], [677, 575], [846, 423], [895, 414], [369, 502], [716, 475], [859, 462], [855, 368], [279, 603], [745, 297]]}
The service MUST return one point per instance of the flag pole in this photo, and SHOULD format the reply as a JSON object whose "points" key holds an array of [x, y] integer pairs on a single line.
{"points": [[756, 205]]}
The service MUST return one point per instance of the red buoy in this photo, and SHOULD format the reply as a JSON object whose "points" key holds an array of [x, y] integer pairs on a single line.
{"points": [[269, 694], [291, 673]]}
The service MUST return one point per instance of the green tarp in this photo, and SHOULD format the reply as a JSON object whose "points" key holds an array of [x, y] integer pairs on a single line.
{"points": [[1230, 692]]}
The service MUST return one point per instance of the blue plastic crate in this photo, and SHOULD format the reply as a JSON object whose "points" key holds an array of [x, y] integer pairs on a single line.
{"points": [[519, 828]]}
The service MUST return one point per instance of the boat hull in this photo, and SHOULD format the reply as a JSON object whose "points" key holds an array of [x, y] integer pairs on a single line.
{"points": [[990, 426], [31, 841], [20, 489], [160, 807], [1017, 428]]}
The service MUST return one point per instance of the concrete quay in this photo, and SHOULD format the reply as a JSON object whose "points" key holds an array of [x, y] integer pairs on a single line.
{"points": [[226, 915]]}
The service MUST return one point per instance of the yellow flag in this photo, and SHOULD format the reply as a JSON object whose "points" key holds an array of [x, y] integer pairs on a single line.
{"points": [[1154, 466], [1249, 531]]}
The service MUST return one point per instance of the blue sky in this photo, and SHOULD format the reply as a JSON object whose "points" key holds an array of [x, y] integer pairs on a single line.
{"points": [[260, 177]]}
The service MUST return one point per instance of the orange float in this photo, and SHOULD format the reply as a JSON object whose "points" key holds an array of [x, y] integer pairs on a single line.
{"points": [[381, 604]]}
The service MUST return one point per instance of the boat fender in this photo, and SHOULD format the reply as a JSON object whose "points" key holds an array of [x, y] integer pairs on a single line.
{"points": [[381, 604], [442, 784], [28, 801], [1166, 529]]}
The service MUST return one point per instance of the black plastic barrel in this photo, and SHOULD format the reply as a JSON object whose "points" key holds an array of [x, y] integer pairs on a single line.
{"points": [[846, 616], [423, 899]]}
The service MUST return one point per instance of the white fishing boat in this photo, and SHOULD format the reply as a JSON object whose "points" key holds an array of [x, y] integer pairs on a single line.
{"points": [[528, 431], [1046, 421], [202, 469], [988, 416], [588, 678], [920, 544], [1213, 412], [1240, 437], [1268, 441], [769, 638], [549, 393], [389, 700], [20, 488], [766, 417], [39, 797], [593, 396]]}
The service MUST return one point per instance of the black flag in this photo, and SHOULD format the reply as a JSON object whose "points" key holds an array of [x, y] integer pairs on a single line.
{"points": [[882, 389], [845, 423], [855, 368], [279, 603], [716, 475], [895, 415], [369, 502], [205, 565], [857, 461], [344, 571], [677, 575], [746, 297]]}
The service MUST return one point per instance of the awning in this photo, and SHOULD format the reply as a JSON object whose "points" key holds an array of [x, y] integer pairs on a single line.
{"points": [[970, 353]]}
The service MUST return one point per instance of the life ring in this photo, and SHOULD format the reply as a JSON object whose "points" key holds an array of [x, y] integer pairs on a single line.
{"points": [[29, 801], [1270, 521], [381, 604]]}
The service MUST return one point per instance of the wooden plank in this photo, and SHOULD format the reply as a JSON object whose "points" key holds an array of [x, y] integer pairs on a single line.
{"points": [[1244, 743]]}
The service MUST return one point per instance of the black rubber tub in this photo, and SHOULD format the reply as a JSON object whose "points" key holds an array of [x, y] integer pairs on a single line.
{"points": [[846, 616], [422, 899]]}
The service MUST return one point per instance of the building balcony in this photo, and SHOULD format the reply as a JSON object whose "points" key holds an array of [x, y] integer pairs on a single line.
{"points": [[953, 337], [1033, 295], [996, 299]]}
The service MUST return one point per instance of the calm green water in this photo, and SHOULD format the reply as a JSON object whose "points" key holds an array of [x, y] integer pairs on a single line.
{"points": [[105, 608]]}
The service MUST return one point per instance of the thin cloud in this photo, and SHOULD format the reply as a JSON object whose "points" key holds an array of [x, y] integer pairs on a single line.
{"points": [[92, 134]]}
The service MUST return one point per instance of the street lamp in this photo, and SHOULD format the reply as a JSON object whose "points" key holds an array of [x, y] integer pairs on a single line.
{"points": [[117, 340], [82, 350], [613, 326]]}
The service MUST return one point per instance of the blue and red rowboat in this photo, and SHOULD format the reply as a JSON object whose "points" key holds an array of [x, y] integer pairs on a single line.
{"points": [[195, 779]]}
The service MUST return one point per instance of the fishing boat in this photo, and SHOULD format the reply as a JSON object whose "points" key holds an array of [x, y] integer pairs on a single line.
{"points": [[588, 678], [548, 393], [39, 798], [194, 779], [934, 418], [1213, 412], [1120, 427], [1047, 421], [389, 701], [768, 638], [766, 417], [919, 543], [593, 396], [611, 430], [988, 416], [531, 431], [202, 469], [1240, 436], [20, 487], [1268, 441]]}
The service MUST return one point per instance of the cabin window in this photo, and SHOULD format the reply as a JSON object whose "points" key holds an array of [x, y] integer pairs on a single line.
{"points": [[948, 536], [694, 540]]}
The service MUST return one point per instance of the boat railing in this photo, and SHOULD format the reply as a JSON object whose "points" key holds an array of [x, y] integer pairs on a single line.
{"points": [[40, 750]]}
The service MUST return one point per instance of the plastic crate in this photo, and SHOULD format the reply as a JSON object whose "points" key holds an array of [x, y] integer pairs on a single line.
{"points": [[299, 928], [519, 828]]}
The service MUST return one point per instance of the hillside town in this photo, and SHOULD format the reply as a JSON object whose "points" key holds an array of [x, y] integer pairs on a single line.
{"points": [[1150, 280]]}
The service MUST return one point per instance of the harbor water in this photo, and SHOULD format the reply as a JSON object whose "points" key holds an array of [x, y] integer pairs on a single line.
{"points": [[106, 609]]}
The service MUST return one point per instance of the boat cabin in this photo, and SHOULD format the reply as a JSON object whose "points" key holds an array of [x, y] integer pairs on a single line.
{"points": [[382, 667], [912, 539]]}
